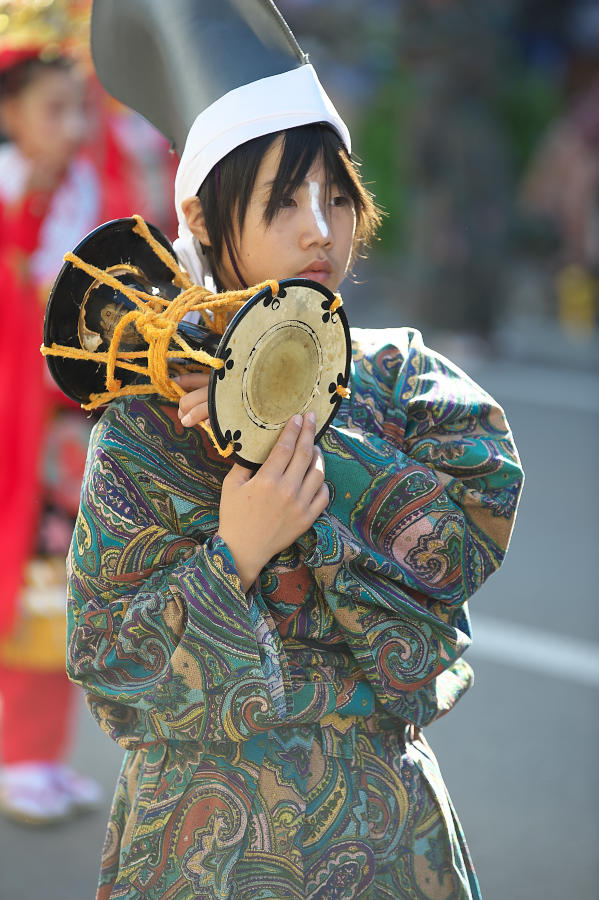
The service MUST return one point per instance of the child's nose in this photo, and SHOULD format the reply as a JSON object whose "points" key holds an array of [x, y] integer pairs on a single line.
{"points": [[316, 228]]}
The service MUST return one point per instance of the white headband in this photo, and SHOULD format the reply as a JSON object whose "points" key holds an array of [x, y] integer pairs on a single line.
{"points": [[262, 107]]}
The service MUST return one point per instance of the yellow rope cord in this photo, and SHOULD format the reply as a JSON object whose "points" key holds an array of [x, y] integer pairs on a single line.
{"points": [[156, 320], [337, 302], [181, 278], [208, 429]]}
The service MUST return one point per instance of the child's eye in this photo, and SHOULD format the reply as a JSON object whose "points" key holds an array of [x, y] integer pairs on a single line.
{"points": [[287, 202], [339, 200]]}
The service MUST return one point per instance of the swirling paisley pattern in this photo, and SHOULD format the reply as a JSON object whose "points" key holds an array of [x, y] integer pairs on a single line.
{"points": [[300, 813], [269, 751]]}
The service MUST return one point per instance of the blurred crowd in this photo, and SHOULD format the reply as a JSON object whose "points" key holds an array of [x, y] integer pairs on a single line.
{"points": [[479, 124]]}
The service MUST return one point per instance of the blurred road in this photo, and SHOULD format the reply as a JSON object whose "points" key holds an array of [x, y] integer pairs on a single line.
{"points": [[519, 752]]}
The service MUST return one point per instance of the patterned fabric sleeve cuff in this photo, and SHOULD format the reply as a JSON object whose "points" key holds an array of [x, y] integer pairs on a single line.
{"points": [[244, 616], [220, 571]]}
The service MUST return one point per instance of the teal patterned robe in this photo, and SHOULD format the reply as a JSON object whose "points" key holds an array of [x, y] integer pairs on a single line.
{"points": [[270, 753]]}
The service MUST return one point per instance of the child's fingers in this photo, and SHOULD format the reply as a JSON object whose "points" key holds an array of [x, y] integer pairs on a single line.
{"points": [[319, 502], [196, 415], [314, 477], [278, 459], [193, 380], [303, 452], [238, 475], [188, 401], [193, 407]]}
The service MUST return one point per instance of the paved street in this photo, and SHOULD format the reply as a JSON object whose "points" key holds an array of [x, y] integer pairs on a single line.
{"points": [[519, 753]]}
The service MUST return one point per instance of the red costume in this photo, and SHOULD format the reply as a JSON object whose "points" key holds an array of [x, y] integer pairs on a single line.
{"points": [[44, 436]]}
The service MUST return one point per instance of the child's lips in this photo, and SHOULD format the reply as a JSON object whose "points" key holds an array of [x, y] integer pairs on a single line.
{"points": [[319, 272], [319, 275]]}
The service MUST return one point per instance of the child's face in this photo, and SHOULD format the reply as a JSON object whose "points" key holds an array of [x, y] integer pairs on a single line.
{"points": [[311, 236], [47, 118]]}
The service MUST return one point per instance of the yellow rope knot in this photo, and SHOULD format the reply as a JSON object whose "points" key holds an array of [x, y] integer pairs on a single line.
{"points": [[157, 319]]}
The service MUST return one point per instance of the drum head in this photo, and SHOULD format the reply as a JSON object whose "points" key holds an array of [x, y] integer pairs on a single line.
{"points": [[283, 355]]}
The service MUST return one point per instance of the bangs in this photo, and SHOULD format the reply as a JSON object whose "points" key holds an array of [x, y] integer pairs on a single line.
{"points": [[301, 148]]}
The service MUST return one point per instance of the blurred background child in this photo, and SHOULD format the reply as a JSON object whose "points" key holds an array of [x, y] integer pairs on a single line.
{"points": [[65, 166]]}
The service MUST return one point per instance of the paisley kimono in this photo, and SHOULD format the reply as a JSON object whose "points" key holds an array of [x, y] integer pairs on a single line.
{"points": [[274, 743]]}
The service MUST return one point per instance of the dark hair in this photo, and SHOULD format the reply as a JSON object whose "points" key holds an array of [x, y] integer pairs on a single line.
{"points": [[227, 190], [19, 76]]}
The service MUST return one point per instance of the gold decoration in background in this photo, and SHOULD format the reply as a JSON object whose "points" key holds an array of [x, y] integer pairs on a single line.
{"points": [[38, 640], [50, 27]]}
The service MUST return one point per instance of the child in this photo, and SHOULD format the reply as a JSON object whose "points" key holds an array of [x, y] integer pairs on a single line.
{"points": [[268, 647]]}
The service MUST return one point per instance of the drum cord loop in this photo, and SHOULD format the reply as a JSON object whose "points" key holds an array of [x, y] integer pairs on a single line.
{"points": [[344, 392]]}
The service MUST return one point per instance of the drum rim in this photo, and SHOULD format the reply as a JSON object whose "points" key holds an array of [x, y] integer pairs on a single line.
{"points": [[231, 327]]}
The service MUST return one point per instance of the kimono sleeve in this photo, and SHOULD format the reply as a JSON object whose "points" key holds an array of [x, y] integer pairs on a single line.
{"points": [[160, 632], [424, 469], [425, 480]]}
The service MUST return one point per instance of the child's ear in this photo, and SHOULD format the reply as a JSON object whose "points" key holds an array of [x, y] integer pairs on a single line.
{"points": [[193, 212]]}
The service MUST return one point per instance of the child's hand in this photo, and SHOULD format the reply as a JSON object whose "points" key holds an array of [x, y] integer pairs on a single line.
{"points": [[193, 406], [264, 514]]}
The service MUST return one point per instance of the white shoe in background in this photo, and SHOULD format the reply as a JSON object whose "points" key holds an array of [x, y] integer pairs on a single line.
{"points": [[28, 794], [35, 793], [84, 793]]}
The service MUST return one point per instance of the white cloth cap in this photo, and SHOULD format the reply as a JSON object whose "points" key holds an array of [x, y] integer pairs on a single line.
{"points": [[270, 104]]}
